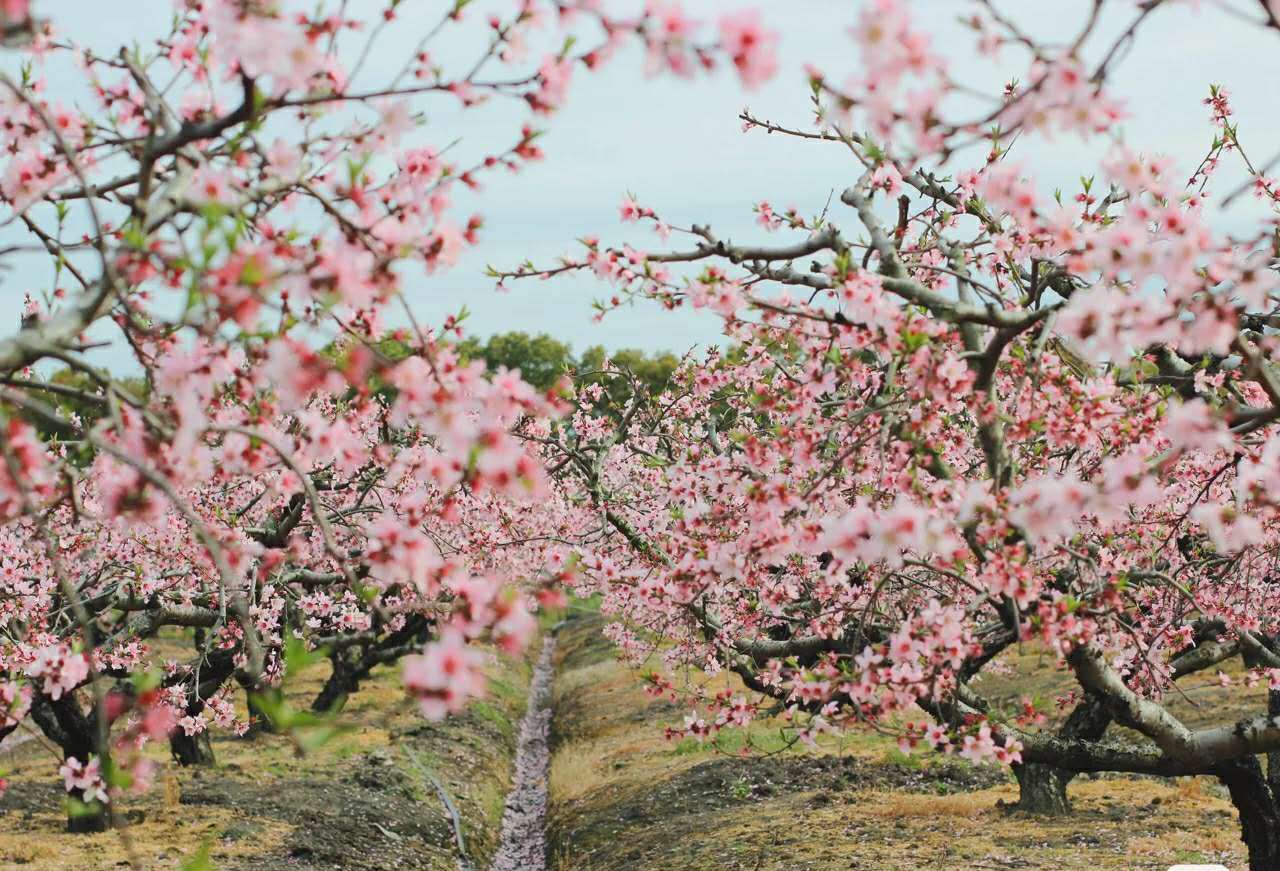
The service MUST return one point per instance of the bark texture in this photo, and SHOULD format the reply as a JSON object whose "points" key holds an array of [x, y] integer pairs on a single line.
{"points": [[1256, 804], [64, 722], [1042, 789]]}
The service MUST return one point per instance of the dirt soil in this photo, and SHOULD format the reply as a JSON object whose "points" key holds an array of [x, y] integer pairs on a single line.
{"points": [[364, 800], [624, 799]]}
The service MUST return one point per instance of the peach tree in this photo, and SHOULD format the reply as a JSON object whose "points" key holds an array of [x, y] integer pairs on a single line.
{"points": [[205, 441], [955, 415]]}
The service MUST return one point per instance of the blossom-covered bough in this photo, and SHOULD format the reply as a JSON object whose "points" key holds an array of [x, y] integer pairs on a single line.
{"points": [[958, 416], [215, 462]]}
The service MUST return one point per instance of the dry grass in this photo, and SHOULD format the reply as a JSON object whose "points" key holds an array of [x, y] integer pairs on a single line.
{"points": [[576, 770], [163, 840], [897, 806]]}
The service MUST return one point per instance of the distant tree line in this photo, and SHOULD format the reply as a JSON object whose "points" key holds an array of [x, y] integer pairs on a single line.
{"points": [[542, 359]]}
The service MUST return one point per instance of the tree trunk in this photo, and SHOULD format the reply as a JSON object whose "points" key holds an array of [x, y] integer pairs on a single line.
{"points": [[1273, 758], [1042, 789], [218, 666], [65, 723], [191, 749], [88, 818], [351, 666], [343, 681], [260, 723], [1256, 805], [198, 749]]}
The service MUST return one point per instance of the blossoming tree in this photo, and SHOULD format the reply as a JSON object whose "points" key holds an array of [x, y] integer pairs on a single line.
{"points": [[959, 415], [231, 213]]}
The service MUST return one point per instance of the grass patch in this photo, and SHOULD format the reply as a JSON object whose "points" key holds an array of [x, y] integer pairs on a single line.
{"points": [[488, 712], [913, 762]]}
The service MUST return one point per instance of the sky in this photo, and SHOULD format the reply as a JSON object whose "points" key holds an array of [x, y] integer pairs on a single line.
{"points": [[678, 145]]}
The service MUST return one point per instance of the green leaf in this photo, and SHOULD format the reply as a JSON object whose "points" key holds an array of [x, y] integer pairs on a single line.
{"points": [[201, 861], [273, 706], [914, 341], [297, 657], [116, 776], [316, 736], [77, 808]]}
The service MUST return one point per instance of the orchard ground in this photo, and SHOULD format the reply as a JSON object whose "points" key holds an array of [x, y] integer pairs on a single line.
{"points": [[363, 800], [623, 797]]}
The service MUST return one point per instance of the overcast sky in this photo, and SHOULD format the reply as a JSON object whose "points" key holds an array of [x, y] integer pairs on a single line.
{"points": [[678, 145]]}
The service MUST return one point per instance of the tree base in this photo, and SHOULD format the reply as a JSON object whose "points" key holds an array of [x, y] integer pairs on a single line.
{"points": [[191, 749], [87, 823], [1257, 806], [1042, 789], [332, 698]]}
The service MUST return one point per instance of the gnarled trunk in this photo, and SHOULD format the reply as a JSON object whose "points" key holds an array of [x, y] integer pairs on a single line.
{"points": [[88, 817], [350, 667], [191, 749], [1256, 804], [65, 723], [260, 722], [1042, 789], [343, 681], [198, 749]]}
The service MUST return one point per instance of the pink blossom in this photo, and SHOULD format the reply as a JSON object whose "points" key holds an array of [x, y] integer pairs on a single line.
{"points": [[554, 77], [751, 46], [887, 178], [85, 779], [1229, 529], [61, 670], [1193, 426], [445, 676], [210, 185]]}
